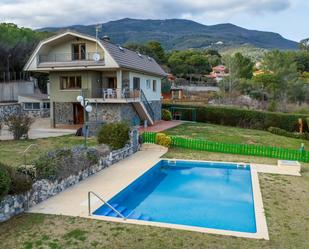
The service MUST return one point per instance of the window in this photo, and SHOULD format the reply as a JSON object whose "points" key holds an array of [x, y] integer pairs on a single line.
{"points": [[79, 51], [148, 84], [154, 85], [70, 82], [31, 106], [46, 105]]}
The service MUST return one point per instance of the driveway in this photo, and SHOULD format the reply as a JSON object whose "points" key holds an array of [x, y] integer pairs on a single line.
{"points": [[39, 129]]}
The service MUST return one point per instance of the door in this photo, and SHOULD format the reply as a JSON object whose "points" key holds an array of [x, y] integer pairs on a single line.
{"points": [[78, 113], [79, 51], [136, 83], [112, 83]]}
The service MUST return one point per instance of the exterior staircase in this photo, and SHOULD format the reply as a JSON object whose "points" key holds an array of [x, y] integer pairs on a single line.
{"points": [[144, 109], [126, 212]]}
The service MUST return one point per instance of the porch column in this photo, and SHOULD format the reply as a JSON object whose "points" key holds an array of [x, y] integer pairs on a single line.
{"points": [[119, 83]]}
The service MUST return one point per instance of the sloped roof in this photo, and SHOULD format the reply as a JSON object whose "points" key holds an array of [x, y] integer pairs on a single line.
{"points": [[127, 58]]}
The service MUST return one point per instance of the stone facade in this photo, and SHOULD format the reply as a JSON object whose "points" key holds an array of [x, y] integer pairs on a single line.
{"points": [[156, 106], [8, 109], [44, 189], [42, 113], [63, 112], [109, 113]]}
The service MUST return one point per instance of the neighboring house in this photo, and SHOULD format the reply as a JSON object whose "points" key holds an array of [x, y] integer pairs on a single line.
{"points": [[35, 105], [218, 73], [121, 85]]}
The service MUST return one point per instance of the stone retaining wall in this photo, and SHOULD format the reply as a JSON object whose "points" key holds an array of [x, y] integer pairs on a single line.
{"points": [[8, 109], [44, 189]]}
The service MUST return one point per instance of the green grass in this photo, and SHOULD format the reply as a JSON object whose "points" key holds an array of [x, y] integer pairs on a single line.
{"points": [[285, 200], [11, 151], [227, 134]]}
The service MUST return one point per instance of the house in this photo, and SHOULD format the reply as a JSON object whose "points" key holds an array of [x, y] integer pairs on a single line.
{"points": [[35, 105], [120, 84], [218, 73]]}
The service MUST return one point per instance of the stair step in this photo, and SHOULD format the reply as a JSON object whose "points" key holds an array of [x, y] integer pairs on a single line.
{"points": [[109, 210], [104, 210], [144, 217], [135, 215], [119, 209], [127, 212]]}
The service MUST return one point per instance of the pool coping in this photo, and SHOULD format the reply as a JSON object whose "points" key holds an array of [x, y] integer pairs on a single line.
{"points": [[260, 218]]}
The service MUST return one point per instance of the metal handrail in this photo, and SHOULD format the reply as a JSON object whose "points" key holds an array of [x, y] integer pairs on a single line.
{"points": [[146, 104], [105, 202], [25, 151]]}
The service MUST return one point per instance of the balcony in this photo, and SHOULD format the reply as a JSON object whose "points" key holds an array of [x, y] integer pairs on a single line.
{"points": [[69, 60], [117, 95]]}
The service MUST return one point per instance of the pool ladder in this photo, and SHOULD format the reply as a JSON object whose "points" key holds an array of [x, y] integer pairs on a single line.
{"points": [[105, 202], [242, 165]]}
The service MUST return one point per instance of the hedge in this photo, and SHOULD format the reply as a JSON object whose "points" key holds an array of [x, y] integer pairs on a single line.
{"points": [[243, 118]]}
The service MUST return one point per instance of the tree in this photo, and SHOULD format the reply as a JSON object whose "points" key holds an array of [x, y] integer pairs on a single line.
{"points": [[304, 44], [213, 57], [241, 67], [188, 62], [151, 48], [17, 44], [284, 68]]}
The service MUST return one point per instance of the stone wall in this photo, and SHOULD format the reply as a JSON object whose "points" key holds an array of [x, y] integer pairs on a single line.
{"points": [[44, 189], [8, 109], [156, 106], [109, 113], [63, 113], [42, 113]]}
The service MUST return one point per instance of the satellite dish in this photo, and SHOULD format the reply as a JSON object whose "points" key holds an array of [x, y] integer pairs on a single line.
{"points": [[96, 57]]}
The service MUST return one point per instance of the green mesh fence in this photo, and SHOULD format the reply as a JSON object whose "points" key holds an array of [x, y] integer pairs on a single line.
{"points": [[240, 149]]}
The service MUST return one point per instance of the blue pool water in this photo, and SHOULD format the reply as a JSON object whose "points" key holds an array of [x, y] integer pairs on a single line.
{"points": [[210, 195]]}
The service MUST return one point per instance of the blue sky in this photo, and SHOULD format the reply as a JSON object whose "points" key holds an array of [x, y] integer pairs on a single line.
{"points": [[290, 18]]}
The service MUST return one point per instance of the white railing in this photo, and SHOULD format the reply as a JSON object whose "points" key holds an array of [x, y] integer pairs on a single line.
{"points": [[120, 93], [69, 57]]}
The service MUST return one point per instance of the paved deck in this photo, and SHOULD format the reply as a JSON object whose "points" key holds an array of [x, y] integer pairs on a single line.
{"points": [[40, 129], [160, 126], [106, 184]]}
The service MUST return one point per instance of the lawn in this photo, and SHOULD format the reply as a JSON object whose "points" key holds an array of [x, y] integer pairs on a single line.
{"points": [[11, 152], [227, 134], [285, 199]]}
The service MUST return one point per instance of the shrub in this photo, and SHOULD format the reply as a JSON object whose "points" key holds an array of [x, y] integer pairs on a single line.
{"points": [[20, 183], [281, 132], [166, 115], [5, 181], [243, 117], [115, 135], [62, 163], [163, 139], [19, 124]]}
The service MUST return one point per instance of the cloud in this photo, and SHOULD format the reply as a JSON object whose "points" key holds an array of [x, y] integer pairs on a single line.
{"points": [[41, 13]]}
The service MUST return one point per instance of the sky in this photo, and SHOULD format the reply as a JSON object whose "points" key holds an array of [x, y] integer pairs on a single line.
{"points": [[290, 18]]}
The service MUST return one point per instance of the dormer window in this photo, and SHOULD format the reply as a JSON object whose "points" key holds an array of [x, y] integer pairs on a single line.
{"points": [[78, 51]]}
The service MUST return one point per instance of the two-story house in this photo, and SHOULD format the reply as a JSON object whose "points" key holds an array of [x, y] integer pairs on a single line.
{"points": [[120, 84]]}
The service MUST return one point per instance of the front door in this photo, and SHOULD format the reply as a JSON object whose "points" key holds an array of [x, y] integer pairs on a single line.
{"points": [[78, 113]]}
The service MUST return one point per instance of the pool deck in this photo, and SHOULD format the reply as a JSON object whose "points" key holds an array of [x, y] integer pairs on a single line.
{"points": [[108, 182]]}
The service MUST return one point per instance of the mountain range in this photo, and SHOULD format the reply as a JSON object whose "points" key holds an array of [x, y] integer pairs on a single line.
{"points": [[183, 34]]}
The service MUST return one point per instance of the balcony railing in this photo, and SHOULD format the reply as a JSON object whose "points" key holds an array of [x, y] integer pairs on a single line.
{"points": [[70, 57], [119, 93]]}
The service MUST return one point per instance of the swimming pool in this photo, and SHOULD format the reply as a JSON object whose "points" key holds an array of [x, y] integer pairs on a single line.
{"points": [[191, 193]]}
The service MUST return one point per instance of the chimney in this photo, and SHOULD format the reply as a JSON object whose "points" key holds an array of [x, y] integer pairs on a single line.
{"points": [[106, 38]]}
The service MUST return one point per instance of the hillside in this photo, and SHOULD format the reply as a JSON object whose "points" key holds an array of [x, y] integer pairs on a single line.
{"points": [[183, 34]]}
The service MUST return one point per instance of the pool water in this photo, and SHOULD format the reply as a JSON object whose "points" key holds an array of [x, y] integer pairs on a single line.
{"points": [[202, 194]]}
